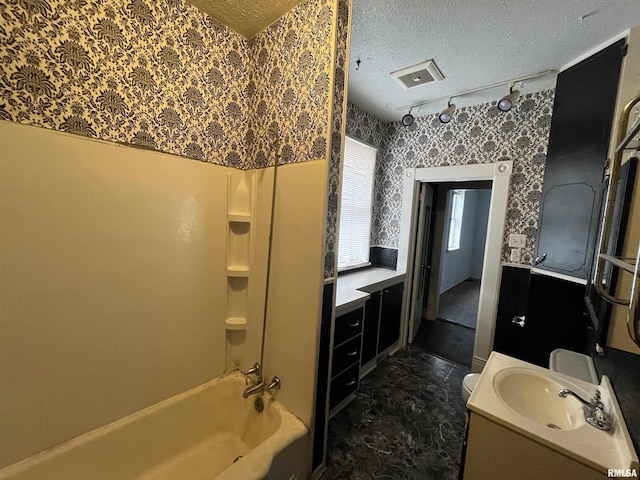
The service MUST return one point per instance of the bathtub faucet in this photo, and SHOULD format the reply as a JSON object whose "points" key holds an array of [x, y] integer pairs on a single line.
{"points": [[256, 387]]}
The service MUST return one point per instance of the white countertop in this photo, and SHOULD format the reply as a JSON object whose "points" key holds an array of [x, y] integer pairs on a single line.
{"points": [[354, 287], [598, 449]]}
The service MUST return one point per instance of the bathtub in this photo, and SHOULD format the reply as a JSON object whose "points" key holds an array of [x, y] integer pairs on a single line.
{"points": [[195, 435]]}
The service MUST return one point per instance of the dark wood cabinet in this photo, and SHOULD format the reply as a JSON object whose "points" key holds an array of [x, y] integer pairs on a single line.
{"points": [[381, 323], [345, 366], [370, 332], [361, 335], [389, 332], [571, 194], [537, 314]]}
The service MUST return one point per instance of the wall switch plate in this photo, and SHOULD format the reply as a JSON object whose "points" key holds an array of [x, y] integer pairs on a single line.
{"points": [[515, 255], [517, 240]]}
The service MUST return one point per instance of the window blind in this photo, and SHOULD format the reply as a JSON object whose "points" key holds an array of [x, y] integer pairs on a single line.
{"points": [[355, 205]]}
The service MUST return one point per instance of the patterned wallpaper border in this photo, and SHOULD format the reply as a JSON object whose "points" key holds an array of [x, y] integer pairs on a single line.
{"points": [[168, 77]]}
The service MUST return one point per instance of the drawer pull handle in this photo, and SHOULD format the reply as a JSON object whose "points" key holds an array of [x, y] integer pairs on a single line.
{"points": [[357, 324], [352, 354], [351, 383]]}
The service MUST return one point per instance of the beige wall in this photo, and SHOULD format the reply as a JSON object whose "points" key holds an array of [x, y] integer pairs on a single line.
{"points": [[112, 283], [295, 284]]}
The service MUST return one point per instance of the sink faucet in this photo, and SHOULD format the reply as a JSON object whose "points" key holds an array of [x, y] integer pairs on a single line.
{"points": [[593, 410], [258, 386]]}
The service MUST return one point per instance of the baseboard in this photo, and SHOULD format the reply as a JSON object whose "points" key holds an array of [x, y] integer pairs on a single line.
{"points": [[477, 364]]}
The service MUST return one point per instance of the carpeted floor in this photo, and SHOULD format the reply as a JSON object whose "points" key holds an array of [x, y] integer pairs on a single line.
{"points": [[406, 422], [459, 304]]}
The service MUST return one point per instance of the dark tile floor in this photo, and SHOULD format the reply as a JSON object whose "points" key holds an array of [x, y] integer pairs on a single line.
{"points": [[447, 340], [459, 304], [406, 422]]}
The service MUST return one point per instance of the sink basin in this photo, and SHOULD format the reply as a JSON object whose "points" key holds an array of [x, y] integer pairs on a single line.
{"points": [[535, 396]]}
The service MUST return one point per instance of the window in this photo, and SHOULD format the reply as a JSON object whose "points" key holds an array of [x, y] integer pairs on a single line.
{"points": [[455, 222], [355, 205]]}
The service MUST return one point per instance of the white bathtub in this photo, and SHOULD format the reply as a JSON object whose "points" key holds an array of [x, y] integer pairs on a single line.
{"points": [[195, 435]]}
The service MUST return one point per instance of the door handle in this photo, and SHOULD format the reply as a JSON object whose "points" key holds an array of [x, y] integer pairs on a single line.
{"points": [[539, 259], [519, 320]]}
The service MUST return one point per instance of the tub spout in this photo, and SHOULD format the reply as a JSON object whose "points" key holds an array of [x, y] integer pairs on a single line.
{"points": [[257, 387]]}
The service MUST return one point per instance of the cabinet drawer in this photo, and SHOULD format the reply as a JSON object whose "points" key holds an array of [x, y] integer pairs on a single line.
{"points": [[344, 385], [345, 355], [347, 326]]}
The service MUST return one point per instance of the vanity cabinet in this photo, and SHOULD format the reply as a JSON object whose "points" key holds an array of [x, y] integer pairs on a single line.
{"points": [[389, 332], [494, 451], [371, 328], [381, 324], [345, 366]]}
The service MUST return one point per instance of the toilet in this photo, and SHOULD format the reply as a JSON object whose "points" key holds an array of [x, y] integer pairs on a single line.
{"points": [[468, 384], [576, 365], [573, 364]]}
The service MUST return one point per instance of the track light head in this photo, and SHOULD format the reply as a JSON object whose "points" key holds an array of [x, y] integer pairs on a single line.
{"points": [[506, 103], [447, 113], [407, 120]]}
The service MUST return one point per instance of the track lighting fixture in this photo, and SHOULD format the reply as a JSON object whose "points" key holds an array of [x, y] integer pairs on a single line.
{"points": [[506, 103], [447, 113], [407, 120]]}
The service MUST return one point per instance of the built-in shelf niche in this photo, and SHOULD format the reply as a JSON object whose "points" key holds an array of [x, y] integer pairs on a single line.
{"points": [[241, 195], [238, 247]]}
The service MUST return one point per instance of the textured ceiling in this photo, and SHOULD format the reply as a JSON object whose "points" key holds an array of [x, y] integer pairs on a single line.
{"points": [[247, 17], [473, 43]]}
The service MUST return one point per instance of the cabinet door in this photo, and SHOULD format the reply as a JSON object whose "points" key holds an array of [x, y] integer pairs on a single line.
{"points": [[512, 302], [370, 332], [555, 319], [390, 316], [578, 144]]}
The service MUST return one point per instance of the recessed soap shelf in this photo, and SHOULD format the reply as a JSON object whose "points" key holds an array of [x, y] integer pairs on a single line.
{"points": [[235, 323], [239, 218], [237, 272]]}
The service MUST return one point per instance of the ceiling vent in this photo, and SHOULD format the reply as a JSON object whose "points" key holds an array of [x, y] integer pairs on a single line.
{"points": [[425, 72]]}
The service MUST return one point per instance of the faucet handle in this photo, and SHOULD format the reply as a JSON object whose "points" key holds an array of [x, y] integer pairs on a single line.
{"points": [[274, 385], [255, 370]]}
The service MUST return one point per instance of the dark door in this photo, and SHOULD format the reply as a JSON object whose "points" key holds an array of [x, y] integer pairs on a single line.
{"points": [[580, 129]]}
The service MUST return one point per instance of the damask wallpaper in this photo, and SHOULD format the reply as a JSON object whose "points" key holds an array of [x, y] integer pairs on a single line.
{"points": [[289, 86], [337, 133], [365, 127], [477, 134], [165, 76]]}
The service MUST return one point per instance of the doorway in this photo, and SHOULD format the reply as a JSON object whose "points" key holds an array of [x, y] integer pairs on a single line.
{"points": [[449, 246], [498, 175]]}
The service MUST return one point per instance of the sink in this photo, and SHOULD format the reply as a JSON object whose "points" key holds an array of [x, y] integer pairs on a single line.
{"points": [[535, 397]]}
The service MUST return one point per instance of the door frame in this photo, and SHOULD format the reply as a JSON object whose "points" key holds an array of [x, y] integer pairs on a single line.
{"points": [[425, 195], [500, 174]]}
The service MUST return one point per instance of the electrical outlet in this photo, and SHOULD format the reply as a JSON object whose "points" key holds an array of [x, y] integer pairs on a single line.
{"points": [[517, 240], [515, 255]]}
